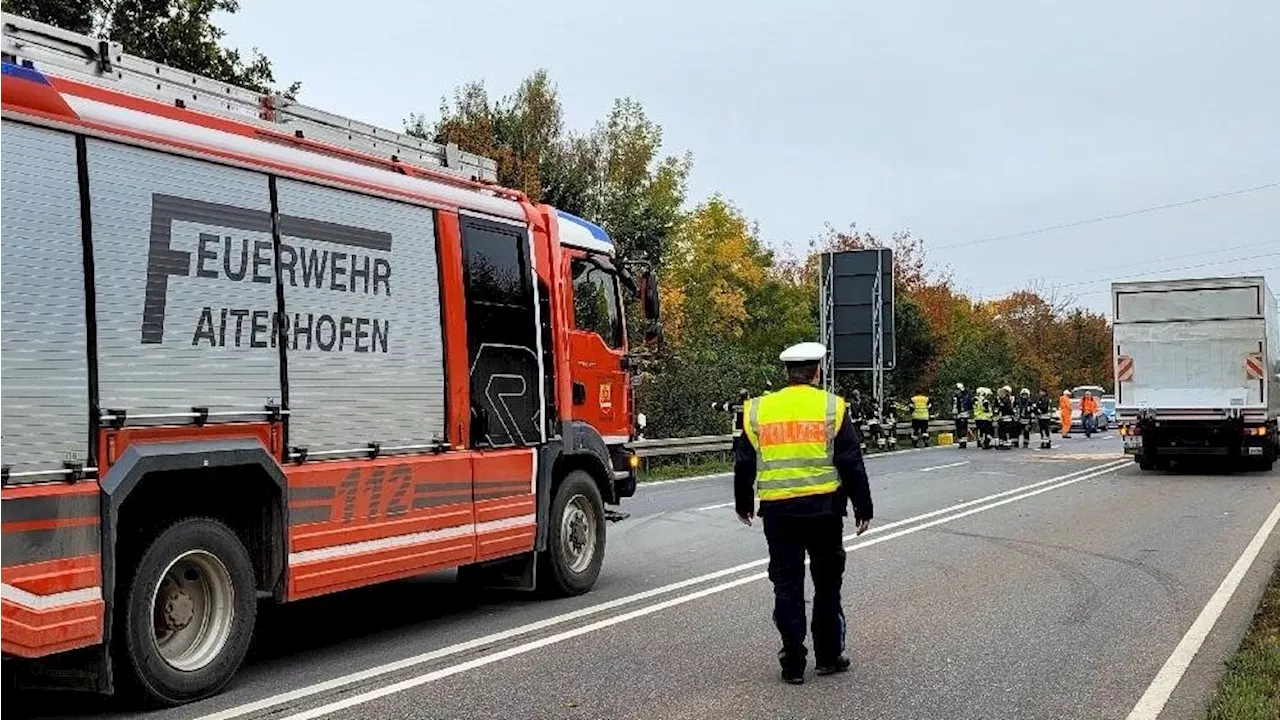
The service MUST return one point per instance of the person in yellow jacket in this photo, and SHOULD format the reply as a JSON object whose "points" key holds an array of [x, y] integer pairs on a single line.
{"points": [[983, 412], [921, 409], [800, 459]]}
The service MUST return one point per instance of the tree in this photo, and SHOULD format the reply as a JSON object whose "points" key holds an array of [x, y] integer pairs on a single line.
{"points": [[173, 32], [713, 265], [614, 175], [74, 15], [519, 132]]}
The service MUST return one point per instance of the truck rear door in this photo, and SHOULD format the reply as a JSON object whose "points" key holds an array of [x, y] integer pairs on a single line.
{"points": [[1188, 348]]}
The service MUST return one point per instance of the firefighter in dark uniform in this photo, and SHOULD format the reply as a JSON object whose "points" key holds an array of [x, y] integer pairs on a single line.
{"points": [[1026, 408], [1006, 410], [962, 410], [858, 414], [800, 458], [734, 407], [1044, 414]]}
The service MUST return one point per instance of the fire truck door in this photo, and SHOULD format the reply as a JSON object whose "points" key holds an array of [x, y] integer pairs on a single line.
{"points": [[597, 347]]}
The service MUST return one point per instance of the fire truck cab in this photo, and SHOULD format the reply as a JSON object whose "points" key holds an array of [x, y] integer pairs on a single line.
{"points": [[254, 350]]}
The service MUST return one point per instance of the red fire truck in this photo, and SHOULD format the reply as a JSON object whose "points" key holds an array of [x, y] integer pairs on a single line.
{"points": [[255, 350]]}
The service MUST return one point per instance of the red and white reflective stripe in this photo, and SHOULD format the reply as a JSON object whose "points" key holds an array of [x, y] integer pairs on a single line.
{"points": [[30, 600], [418, 538], [1254, 367], [1124, 368]]}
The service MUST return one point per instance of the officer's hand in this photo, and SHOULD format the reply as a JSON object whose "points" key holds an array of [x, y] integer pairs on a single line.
{"points": [[745, 519], [862, 526]]}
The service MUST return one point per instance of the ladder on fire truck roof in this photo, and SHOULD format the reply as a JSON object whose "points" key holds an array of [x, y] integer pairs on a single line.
{"points": [[104, 63]]}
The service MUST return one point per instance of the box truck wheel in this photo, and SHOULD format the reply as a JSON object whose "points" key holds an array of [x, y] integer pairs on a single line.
{"points": [[189, 612], [575, 540]]}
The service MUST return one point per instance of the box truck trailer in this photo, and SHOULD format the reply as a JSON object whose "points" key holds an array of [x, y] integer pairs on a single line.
{"points": [[1196, 365]]}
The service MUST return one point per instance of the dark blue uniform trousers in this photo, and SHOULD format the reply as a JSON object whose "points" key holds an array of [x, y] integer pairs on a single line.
{"points": [[822, 537]]}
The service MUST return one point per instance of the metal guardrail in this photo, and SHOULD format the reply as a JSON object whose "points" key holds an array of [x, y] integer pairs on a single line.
{"points": [[723, 443]]}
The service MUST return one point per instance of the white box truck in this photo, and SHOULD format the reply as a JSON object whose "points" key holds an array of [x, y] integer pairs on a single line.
{"points": [[1196, 364]]}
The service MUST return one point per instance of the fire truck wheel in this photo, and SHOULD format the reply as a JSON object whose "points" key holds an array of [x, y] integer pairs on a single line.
{"points": [[575, 542], [190, 611]]}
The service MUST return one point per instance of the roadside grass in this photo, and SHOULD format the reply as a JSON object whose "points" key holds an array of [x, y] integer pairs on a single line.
{"points": [[654, 469], [1251, 688]]}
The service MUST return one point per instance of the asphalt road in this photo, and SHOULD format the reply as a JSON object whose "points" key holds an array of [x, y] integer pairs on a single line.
{"points": [[1020, 584]]}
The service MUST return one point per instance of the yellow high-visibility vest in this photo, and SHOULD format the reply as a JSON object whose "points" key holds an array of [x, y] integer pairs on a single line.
{"points": [[920, 407], [982, 409], [793, 431]]}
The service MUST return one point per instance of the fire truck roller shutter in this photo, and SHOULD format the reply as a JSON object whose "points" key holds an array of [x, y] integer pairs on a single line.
{"points": [[363, 335], [184, 281], [44, 383]]}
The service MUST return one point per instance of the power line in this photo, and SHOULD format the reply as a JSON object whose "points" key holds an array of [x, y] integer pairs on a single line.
{"points": [[1157, 271], [1107, 218], [1252, 271], [1145, 263]]}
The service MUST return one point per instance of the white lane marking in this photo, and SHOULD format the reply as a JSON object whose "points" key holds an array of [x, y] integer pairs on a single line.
{"points": [[35, 601], [717, 506], [713, 476], [1166, 681], [488, 640], [948, 465]]}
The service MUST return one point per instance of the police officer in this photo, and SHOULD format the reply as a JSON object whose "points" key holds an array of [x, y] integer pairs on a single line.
{"points": [[1044, 413], [800, 458], [962, 409], [920, 410]]}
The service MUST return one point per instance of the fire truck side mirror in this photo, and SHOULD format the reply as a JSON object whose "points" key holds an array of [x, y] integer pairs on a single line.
{"points": [[649, 295], [651, 307]]}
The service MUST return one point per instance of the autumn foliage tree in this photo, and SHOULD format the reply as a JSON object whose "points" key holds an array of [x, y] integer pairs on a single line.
{"points": [[730, 300]]}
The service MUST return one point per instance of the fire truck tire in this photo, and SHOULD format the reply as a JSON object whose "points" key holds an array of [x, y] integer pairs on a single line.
{"points": [[575, 540], [190, 612]]}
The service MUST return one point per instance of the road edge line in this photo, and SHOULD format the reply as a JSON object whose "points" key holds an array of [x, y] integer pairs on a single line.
{"points": [[1152, 702]]}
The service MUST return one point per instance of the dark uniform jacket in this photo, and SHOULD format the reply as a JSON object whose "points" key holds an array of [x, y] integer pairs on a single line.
{"points": [[1005, 406], [1044, 405], [854, 486]]}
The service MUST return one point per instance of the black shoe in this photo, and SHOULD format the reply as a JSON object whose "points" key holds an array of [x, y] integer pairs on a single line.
{"points": [[839, 665], [793, 676]]}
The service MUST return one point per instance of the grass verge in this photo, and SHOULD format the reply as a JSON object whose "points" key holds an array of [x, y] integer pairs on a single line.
{"points": [[1251, 688], [709, 464]]}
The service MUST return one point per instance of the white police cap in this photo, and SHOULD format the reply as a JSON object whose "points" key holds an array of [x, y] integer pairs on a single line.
{"points": [[805, 352]]}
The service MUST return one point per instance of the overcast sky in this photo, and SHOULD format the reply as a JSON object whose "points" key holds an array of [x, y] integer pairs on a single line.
{"points": [[958, 121]]}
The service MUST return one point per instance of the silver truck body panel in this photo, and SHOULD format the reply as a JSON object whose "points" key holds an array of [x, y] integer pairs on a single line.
{"points": [[44, 394], [1188, 341], [174, 332], [374, 371]]}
